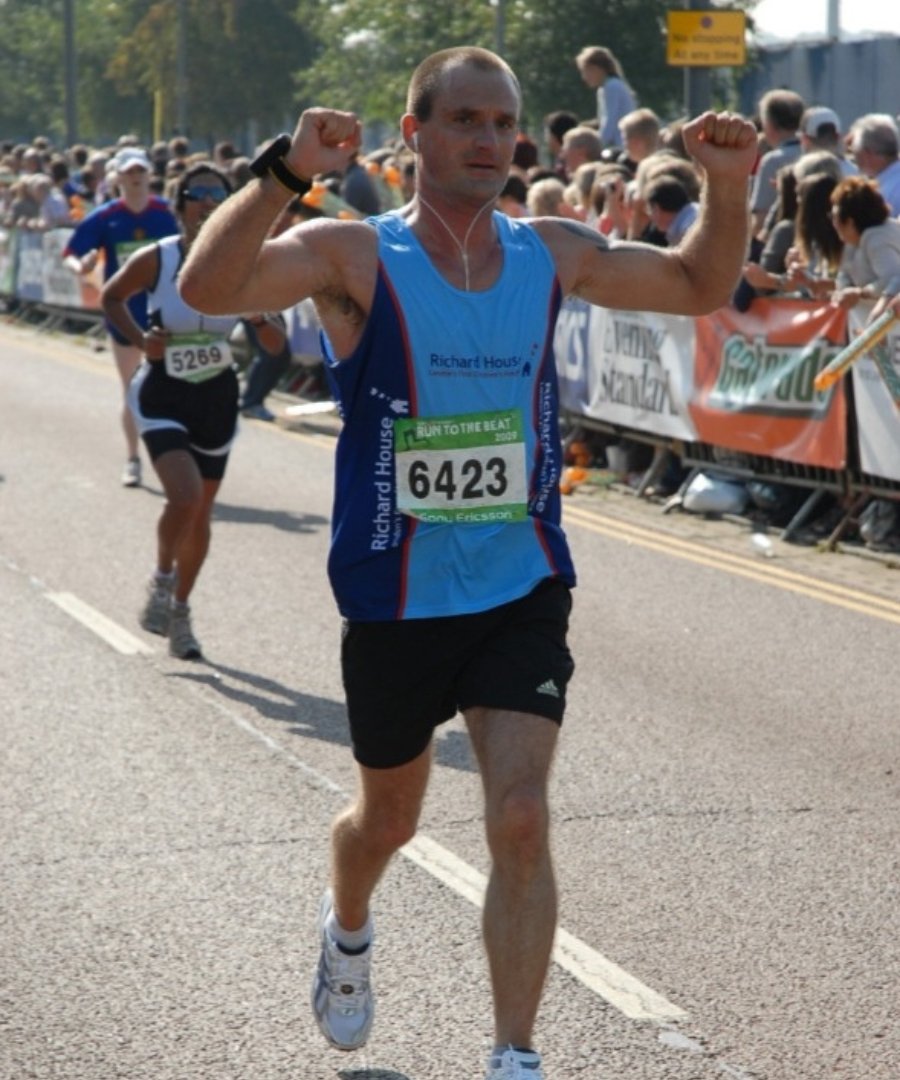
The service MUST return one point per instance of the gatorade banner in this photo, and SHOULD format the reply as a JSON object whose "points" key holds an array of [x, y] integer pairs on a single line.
{"points": [[753, 377], [876, 395]]}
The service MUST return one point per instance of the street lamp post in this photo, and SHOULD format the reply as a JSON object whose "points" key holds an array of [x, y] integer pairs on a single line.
{"points": [[697, 80], [500, 27], [70, 73], [181, 70]]}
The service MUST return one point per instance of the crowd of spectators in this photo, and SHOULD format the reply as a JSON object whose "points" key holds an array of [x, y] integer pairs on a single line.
{"points": [[825, 202], [622, 171]]}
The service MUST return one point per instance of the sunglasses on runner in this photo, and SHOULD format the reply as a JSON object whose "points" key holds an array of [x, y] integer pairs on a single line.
{"points": [[196, 194]]}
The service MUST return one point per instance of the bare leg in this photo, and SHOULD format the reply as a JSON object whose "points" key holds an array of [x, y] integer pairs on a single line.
{"points": [[128, 359], [183, 530], [365, 837], [515, 751]]}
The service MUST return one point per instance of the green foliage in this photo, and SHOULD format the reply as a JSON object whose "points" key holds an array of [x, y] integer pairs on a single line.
{"points": [[369, 48], [558, 29], [250, 65], [238, 61], [31, 76]]}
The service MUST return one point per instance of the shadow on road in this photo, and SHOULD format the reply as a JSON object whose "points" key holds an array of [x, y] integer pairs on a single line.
{"points": [[286, 520], [307, 715], [372, 1074]]}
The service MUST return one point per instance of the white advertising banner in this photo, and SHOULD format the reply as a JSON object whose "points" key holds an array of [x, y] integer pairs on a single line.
{"points": [[61, 286], [876, 394], [634, 369]]}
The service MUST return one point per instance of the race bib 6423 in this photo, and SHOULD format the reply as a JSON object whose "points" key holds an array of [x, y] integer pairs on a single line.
{"points": [[467, 469]]}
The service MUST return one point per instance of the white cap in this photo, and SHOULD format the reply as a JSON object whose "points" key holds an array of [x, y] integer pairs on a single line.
{"points": [[131, 157], [817, 117]]}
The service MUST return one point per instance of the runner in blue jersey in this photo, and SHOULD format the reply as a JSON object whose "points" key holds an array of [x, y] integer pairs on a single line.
{"points": [[116, 230], [448, 560]]}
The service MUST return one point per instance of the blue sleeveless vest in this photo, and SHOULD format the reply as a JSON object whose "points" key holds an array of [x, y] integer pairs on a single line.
{"points": [[450, 408]]}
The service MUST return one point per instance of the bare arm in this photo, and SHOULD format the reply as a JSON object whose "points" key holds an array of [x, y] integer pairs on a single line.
{"points": [[136, 275], [232, 267], [700, 274]]}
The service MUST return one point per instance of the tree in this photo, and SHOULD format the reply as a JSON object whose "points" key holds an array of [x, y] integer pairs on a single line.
{"points": [[545, 36], [31, 75], [368, 49], [240, 56]]}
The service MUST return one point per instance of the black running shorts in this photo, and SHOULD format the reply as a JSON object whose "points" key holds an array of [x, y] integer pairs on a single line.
{"points": [[405, 677], [175, 415]]}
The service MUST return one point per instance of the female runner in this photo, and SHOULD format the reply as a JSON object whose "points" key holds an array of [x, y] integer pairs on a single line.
{"points": [[184, 398]]}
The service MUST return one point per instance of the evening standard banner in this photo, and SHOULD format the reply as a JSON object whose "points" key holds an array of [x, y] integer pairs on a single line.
{"points": [[630, 368], [753, 382], [876, 394]]}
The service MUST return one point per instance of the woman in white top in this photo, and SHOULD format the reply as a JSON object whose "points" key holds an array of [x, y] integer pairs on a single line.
{"points": [[184, 398], [870, 264]]}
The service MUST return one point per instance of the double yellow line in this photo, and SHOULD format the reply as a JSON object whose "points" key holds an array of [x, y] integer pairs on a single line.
{"points": [[754, 569]]}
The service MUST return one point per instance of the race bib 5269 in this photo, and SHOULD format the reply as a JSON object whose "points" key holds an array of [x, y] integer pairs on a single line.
{"points": [[197, 357]]}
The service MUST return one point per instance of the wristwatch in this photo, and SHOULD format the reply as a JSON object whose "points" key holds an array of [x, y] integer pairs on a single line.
{"points": [[271, 160]]}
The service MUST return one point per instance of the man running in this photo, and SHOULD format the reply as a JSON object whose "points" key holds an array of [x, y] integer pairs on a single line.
{"points": [[117, 229], [448, 561]]}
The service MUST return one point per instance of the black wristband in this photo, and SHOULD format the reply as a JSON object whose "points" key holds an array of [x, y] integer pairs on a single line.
{"points": [[271, 162], [286, 176]]}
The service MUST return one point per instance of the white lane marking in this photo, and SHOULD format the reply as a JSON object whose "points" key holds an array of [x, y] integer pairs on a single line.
{"points": [[104, 628], [593, 970], [623, 991], [604, 978]]}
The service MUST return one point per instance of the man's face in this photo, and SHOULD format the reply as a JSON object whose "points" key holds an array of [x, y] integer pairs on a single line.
{"points": [[867, 162], [468, 142], [134, 180], [571, 156]]}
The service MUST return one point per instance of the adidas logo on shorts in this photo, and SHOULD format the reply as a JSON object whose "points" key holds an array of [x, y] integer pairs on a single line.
{"points": [[549, 688]]}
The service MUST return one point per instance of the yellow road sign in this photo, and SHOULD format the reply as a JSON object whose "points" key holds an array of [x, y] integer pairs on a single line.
{"points": [[706, 38]]}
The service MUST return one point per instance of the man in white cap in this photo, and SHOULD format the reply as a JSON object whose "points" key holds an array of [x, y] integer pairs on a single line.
{"points": [[117, 229], [820, 129]]}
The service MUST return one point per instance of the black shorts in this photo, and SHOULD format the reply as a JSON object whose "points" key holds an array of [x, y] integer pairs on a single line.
{"points": [[172, 414], [403, 678]]}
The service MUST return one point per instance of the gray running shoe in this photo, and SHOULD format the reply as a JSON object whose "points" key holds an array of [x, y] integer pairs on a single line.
{"points": [[131, 474], [510, 1064], [258, 412], [342, 998], [182, 643], [157, 611]]}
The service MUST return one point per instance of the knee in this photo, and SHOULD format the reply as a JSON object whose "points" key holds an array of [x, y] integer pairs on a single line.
{"points": [[518, 824], [388, 828], [185, 499]]}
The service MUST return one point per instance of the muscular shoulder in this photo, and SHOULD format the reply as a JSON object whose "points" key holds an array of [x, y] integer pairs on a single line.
{"points": [[346, 254], [569, 242]]}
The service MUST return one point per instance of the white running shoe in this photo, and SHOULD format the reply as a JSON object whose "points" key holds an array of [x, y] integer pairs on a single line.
{"points": [[342, 998], [157, 611], [510, 1064], [182, 643], [131, 474]]}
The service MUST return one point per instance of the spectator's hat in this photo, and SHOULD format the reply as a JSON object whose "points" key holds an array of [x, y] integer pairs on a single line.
{"points": [[131, 157], [816, 118]]}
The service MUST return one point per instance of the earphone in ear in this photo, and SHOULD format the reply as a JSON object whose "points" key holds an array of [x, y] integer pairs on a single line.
{"points": [[413, 143]]}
